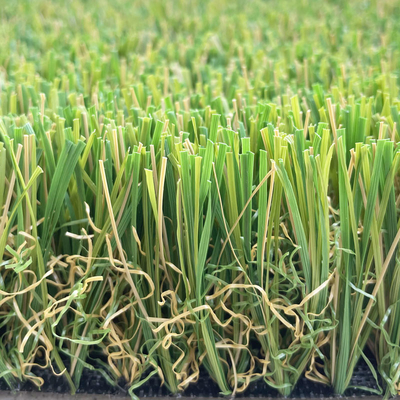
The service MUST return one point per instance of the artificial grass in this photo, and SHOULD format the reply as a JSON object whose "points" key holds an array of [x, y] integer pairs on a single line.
{"points": [[200, 184]]}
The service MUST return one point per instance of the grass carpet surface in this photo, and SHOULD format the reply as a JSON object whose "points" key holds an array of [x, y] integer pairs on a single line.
{"points": [[200, 188]]}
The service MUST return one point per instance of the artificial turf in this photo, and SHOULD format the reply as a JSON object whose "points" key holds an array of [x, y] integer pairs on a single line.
{"points": [[200, 185]]}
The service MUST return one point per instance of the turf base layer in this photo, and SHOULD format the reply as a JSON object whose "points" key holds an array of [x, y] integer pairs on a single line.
{"points": [[94, 384]]}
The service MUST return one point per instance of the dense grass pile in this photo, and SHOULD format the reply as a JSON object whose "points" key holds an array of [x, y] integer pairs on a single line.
{"points": [[189, 185]]}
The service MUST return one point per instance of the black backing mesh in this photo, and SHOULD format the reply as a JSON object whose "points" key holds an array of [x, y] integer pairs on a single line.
{"points": [[94, 383]]}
